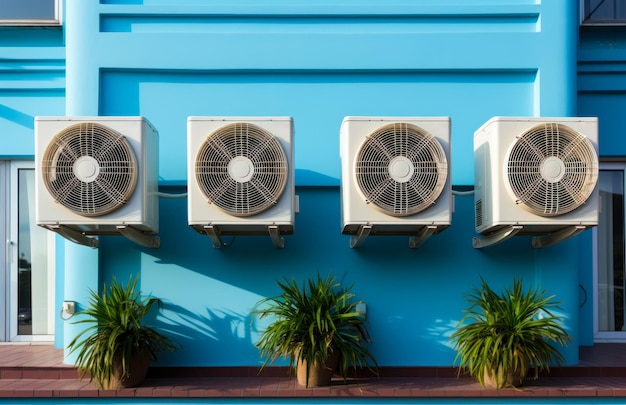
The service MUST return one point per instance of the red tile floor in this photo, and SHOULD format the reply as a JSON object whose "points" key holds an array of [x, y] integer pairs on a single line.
{"points": [[37, 370]]}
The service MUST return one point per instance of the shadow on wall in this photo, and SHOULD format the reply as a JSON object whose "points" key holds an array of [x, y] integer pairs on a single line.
{"points": [[414, 296], [440, 332], [311, 178], [18, 117], [210, 337]]}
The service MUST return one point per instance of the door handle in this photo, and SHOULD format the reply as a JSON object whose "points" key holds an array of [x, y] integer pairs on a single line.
{"points": [[9, 250]]}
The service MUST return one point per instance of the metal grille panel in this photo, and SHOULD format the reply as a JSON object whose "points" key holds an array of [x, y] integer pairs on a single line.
{"points": [[242, 169], [90, 169], [401, 169], [552, 169]]}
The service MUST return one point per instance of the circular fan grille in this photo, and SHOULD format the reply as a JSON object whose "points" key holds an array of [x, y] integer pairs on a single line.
{"points": [[552, 169], [401, 169], [242, 169], [90, 169]]}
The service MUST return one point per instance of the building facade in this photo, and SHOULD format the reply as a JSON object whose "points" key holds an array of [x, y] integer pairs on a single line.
{"points": [[316, 62]]}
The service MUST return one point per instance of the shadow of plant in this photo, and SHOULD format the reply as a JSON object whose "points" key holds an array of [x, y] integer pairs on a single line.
{"points": [[213, 338]]}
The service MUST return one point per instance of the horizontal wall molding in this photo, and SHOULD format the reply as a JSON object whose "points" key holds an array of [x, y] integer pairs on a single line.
{"points": [[456, 8], [602, 67], [33, 80], [350, 74], [607, 77], [239, 16], [32, 64], [321, 23]]}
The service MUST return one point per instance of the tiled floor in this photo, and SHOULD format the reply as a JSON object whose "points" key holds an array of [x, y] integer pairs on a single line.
{"points": [[38, 371], [30, 355]]}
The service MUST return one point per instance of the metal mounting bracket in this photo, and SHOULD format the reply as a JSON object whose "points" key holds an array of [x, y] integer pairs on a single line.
{"points": [[277, 240], [139, 237], [358, 239], [75, 236], [214, 234], [424, 233], [558, 236], [496, 237]]}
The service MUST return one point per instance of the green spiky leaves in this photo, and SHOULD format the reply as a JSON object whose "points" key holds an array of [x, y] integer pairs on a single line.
{"points": [[503, 334], [311, 321], [115, 329]]}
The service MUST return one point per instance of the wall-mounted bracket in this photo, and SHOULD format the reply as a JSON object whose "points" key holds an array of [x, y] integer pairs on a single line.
{"points": [[214, 234], [135, 235], [558, 236], [424, 233], [358, 239], [496, 237], [74, 235], [277, 240]]}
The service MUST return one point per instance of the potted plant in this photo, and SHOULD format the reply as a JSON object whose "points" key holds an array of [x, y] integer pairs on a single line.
{"points": [[117, 348], [507, 333], [317, 327]]}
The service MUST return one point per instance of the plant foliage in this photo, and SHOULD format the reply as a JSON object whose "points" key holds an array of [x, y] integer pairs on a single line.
{"points": [[508, 332], [313, 321], [115, 320]]}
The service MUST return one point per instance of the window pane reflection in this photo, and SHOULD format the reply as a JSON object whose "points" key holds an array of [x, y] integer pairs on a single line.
{"points": [[27, 9], [604, 11]]}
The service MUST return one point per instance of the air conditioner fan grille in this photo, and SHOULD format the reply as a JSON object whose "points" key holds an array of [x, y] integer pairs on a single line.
{"points": [[242, 169], [401, 169], [552, 169], [90, 169]]}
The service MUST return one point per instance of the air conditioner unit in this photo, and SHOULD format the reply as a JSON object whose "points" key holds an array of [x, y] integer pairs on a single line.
{"points": [[535, 176], [97, 176], [241, 177], [395, 177]]}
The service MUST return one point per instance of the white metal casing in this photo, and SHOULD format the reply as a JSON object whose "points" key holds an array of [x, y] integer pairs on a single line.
{"points": [[356, 212], [201, 213], [142, 210], [494, 203]]}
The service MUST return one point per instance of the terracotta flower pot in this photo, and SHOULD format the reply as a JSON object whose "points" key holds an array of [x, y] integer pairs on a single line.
{"points": [[319, 374], [514, 378], [139, 365]]}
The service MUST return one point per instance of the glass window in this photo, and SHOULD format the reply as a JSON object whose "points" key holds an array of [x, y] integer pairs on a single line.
{"points": [[28, 11], [603, 12]]}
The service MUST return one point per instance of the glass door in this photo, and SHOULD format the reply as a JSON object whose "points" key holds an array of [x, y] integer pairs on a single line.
{"points": [[610, 280], [29, 261]]}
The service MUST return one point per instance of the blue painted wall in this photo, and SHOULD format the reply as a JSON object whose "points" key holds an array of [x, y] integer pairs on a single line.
{"points": [[32, 82], [414, 297], [602, 84], [32, 69], [601, 93], [167, 60]]}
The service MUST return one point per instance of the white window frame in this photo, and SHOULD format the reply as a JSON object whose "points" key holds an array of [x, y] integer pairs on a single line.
{"points": [[35, 21], [5, 250], [604, 336]]}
